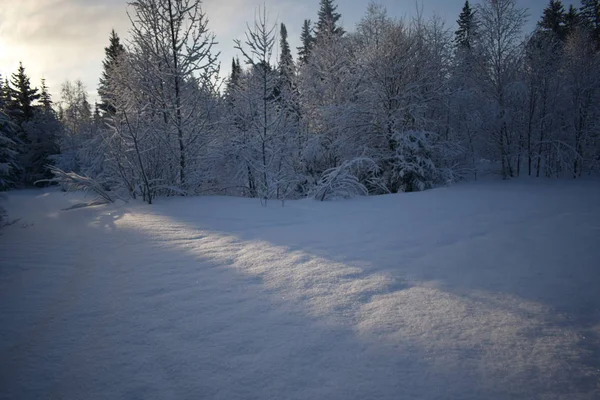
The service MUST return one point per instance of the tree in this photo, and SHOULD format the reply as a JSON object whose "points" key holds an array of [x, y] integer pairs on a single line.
{"points": [[259, 93], [234, 77], [36, 125], [307, 40], [22, 96], [500, 46], [327, 22], [45, 98], [467, 27], [553, 18], [286, 61], [76, 118], [112, 54], [572, 20], [8, 147], [173, 35], [590, 15]]}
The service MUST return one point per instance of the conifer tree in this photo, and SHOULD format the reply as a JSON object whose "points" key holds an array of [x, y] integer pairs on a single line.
{"points": [[112, 53], [467, 26], [307, 40], [590, 14], [45, 99], [286, 61], [8, 154], [572, 20], [328, 18], [234, 77], [22, 96], [553, 18]]}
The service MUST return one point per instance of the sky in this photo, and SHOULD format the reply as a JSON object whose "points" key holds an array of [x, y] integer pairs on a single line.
{"points": [[63, 40]]}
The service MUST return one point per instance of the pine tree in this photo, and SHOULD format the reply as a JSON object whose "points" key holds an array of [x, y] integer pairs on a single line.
{"points": [[112, 53], [467, 26], [328, 18], [22, 96], [553, 18], [307, 40]]}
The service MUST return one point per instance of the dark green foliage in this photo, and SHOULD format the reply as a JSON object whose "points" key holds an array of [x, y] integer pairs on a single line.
{"points": [[234, 77], [553, 18], [45, 99], [327, 22], [572, 20], [286, 62], [112, 53], [590, 17], [22, 96], [467, 27], [307, 40]]}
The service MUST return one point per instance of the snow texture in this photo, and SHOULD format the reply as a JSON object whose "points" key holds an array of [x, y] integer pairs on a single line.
{"points": [[478, 291]]}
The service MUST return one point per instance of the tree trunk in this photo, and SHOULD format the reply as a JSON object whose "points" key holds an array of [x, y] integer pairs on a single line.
{"points": [[177, 96]]}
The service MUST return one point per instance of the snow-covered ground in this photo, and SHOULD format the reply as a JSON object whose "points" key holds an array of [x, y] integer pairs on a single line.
{"points": [[477, 291]]}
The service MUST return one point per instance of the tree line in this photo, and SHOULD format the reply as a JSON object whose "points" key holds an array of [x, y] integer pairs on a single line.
{"points": [[392, 106]]}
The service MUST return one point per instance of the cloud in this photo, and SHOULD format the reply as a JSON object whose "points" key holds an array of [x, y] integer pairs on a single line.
{"points": [[59, 39], [65, 39]]}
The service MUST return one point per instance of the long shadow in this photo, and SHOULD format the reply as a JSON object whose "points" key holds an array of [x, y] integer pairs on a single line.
{"points": [[472, 250], [128, 313]]}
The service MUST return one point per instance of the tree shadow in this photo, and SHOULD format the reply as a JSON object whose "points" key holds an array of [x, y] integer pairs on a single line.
{"points": [[472, 251], [195, 298]]}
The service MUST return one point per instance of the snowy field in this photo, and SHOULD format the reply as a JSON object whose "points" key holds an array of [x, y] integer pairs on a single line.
{"points": [[477, 291]]}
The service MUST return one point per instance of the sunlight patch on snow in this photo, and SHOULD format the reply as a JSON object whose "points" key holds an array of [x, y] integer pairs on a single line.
{"points": [[491, 330]]}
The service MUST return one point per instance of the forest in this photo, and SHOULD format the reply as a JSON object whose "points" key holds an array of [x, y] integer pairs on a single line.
{"points": [[391, 106]]}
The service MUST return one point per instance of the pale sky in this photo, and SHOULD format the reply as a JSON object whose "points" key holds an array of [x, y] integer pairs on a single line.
{"points": [[65, 39]]}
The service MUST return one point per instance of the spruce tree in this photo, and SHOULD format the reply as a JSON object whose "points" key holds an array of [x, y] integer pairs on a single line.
{"points": [[307, 40], [572, 20], [112, 53], [8, 154], [22, 96], [234, 77], [590, 15], [286, 61], [553, 18], [464, 36], [328, 18], [45, 99]]}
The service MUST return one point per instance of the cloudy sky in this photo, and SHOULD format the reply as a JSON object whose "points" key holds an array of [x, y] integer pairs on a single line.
{"points": [[65, 39]]}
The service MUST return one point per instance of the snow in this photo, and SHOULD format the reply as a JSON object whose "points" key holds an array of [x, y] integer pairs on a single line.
{"points": [[476, 291]]}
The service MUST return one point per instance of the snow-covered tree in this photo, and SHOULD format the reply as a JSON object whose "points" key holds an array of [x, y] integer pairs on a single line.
{"points": [[264, 118], [501, 24]]}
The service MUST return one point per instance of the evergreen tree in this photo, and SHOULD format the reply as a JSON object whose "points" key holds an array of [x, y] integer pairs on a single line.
{"points": [[286, 61], [553, 18], [467, 26], [234, 77], [45, 99], [22, 96], [3, 93], [328, 18], [590, 14], [307, 40], [8, 154], [572, 20], [112, 53]]}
